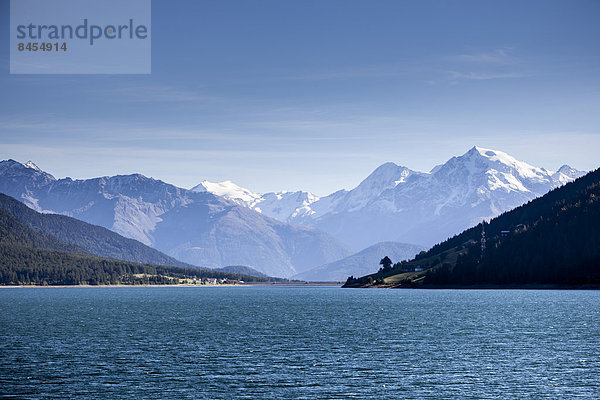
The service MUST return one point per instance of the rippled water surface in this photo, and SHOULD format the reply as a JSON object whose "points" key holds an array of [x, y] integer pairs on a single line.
{"points": [[301, 343]]}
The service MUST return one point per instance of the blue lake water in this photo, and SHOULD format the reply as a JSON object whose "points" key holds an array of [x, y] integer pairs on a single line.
{"points": [[301, 343]]}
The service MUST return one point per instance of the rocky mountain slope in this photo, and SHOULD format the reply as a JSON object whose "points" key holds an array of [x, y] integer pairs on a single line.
{"points": [[395, 203], [287, 233], [197, 228]]}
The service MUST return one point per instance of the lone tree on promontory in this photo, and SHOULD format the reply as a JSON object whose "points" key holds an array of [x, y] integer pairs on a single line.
{"points": [[386, 264]]}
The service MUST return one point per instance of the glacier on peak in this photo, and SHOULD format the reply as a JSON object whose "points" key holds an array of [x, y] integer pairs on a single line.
{"points": [[281, 205], [395, 203], [228, 190], [508, 163]]}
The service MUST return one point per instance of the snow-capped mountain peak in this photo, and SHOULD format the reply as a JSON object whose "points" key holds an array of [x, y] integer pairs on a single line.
{"points": [[569, 171], [566, 174], [480, 157], [521, 175], [285, 205], [30, 164], [199, 228], [228, 190], [279, 205], [385, 177], [18, 167], [395, 202]]}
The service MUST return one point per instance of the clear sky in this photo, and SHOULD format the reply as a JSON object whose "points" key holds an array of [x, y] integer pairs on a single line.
{"points": [[314, 95]]}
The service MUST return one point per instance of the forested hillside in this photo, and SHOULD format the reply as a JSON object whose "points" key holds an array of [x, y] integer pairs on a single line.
{"points": [[552, 240], [94, 239], [29, 257]]}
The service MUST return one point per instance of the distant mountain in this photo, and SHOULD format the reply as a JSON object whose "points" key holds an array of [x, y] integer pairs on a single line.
{"points": [[242, 269], [195, 227], [397, 204], [30, 257], [283, 206], [91, 238], [229, 191], [552, 240], [361, 263], [287, 233]]}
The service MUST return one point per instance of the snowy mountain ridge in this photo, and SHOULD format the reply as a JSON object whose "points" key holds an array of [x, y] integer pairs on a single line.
{"points": [[286, 233], [282, 205], [395, 203], [228, 190], [199, 227]]}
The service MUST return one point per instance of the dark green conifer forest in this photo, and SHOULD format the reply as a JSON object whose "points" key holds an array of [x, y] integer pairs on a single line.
{"points": [[552, 240], [31, 257]]}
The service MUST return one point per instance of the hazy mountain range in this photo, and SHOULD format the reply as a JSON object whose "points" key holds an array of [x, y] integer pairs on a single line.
{"points": [[362, 263], [197, 228], [288, 233], [398, 204]]}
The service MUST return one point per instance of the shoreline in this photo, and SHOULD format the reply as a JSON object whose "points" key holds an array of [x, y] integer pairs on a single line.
{"points": [[486, 287], [330, 284], [287, 284]]}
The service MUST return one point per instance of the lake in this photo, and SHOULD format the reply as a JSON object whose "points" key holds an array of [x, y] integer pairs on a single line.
{"points": [[298, 342]]}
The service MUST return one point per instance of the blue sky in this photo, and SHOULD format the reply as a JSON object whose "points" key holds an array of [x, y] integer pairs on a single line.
{"points": [[314, 95]]}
